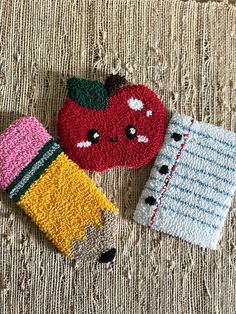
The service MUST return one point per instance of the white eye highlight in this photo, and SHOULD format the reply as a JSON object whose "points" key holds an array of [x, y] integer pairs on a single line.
{"points": [[149, 113], [135, 104], [142, 139], [84, 144], [132, 131]]}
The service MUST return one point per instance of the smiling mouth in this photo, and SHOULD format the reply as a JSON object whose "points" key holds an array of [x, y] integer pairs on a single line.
{"points": [[114, 139]]}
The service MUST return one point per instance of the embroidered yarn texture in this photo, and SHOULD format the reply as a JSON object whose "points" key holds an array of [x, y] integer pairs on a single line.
{"points": [[192, 182], [111, 125], [59, 197]]}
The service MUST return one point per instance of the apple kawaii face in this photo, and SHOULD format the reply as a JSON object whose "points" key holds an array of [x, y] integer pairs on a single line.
{"points": [[111, 125]]}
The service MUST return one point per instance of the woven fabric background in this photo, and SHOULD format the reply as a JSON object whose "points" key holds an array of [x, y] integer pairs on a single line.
{"points": [[186, 51]]}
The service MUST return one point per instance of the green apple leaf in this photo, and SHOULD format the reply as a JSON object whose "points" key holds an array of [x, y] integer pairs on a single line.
{"points": [[87, 93]]}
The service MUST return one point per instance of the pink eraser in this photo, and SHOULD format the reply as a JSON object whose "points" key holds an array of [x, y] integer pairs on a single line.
{"points": [[19, 144]]}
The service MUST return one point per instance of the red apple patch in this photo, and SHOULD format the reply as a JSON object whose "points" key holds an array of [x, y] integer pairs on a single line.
{"points": [[102, 126]]}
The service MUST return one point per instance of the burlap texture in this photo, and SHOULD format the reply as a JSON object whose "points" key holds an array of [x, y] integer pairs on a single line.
{"points": [[186, 51]]}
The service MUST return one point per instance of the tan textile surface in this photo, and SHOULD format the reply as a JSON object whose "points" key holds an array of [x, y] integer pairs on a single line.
{"points": [[186, 51]]}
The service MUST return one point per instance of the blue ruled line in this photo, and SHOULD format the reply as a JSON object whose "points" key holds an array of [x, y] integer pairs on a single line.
{"points": [[191, 217], [181, 163], [167, 195], [173, 122], [185, 190]]}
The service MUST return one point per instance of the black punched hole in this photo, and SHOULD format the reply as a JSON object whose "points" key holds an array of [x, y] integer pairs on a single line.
{"points": [[150, 200], [164, 169], [177, 137]]}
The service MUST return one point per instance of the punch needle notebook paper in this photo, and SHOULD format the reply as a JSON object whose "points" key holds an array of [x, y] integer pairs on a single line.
{"points": [[192, 182]]}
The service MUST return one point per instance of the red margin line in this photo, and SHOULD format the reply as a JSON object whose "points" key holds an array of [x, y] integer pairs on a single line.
{"points": [[168, 178]]}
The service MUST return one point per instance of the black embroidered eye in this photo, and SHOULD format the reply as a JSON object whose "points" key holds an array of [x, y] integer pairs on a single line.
{"points": [[93, 136], [130, 132]]}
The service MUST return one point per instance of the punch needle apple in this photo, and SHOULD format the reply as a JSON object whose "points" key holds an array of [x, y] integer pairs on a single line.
{"points": [[115, 124]]}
